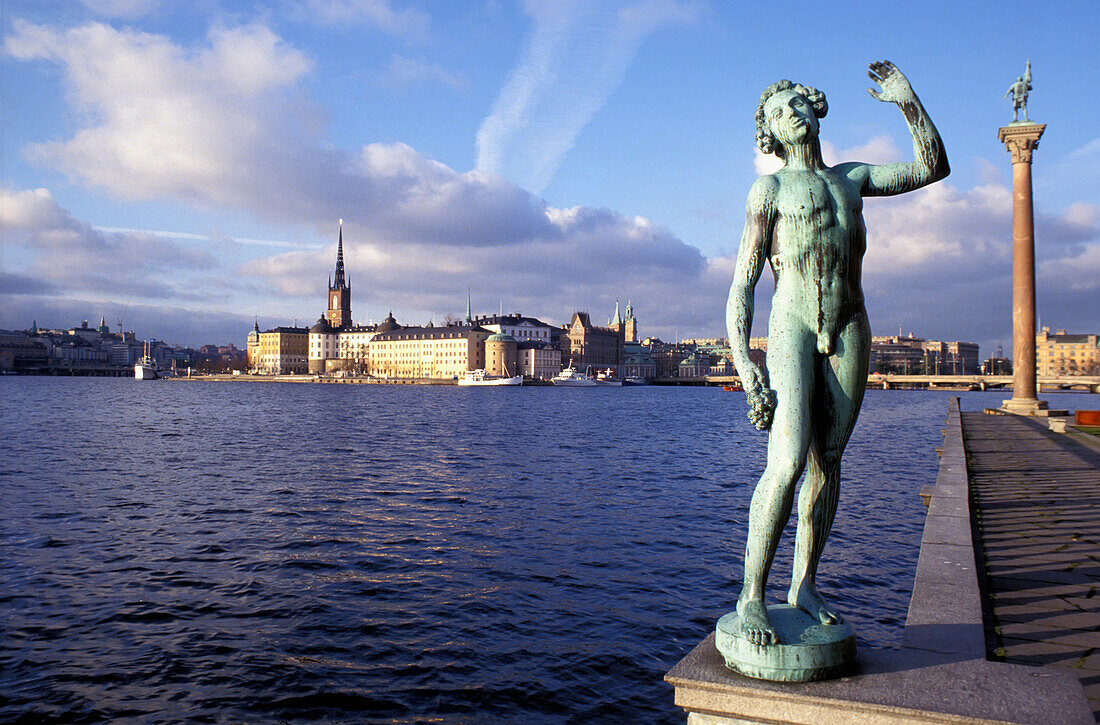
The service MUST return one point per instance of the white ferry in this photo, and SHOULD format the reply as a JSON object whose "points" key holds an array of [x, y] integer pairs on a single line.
{"points": [[479, 377], [573, 378]]}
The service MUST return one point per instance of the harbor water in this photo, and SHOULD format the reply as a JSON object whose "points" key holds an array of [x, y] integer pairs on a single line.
{"points": [[244, 552]]}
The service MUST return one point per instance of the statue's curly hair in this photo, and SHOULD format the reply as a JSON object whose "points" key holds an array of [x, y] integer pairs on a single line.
{"points": [[764, 138]]}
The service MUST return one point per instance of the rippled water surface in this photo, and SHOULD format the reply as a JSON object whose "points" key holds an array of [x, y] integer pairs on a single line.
{"points": [[246, 552]]}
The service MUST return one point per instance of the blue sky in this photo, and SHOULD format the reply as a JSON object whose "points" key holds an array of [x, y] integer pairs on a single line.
{"points": [[182, 164]]}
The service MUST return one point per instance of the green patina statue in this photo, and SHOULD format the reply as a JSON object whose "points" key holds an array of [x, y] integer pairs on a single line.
{"points": [[1018, 91], [806, 220]]}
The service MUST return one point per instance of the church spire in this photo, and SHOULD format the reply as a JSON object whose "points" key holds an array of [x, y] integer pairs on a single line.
{"points": [[616, 319], [338, 279], [469, 317]]}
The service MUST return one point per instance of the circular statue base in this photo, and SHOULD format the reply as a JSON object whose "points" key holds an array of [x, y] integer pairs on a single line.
{"points": [[807, 649]]}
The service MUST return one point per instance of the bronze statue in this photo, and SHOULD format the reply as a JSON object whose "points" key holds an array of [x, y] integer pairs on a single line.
{"points": [[806, 221], [1018, 91]]}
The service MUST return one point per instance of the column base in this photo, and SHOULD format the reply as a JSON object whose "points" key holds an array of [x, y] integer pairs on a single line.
{"points": [[1030, 407]]}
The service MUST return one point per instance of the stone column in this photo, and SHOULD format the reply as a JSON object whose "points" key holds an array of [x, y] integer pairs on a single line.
{"points": [[1020, 139]]}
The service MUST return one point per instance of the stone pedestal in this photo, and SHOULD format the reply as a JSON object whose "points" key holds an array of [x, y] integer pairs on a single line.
{"points": [[807, 649], [1020, 140]]}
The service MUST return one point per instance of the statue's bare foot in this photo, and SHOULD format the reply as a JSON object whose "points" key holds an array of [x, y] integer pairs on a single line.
{"points": [[755, 625], [806, 598]]}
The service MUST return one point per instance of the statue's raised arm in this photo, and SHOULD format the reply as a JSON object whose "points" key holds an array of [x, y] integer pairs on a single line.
{"points": [[930, 159]]}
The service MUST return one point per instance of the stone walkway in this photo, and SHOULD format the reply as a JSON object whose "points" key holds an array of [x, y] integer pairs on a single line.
{"points": [[1037, 498]]}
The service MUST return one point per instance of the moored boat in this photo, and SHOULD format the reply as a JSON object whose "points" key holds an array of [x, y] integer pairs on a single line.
{"points": [[573, 378], [608, 379], [479, 377], [146, 367]]}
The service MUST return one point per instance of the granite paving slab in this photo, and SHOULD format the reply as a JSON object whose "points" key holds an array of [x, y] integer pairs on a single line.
{"points": [[1036, 498]]}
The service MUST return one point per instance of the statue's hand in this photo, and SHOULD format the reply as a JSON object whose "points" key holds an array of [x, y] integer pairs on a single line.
{"points": [[761, 399], [895, 86], [761, 407]]}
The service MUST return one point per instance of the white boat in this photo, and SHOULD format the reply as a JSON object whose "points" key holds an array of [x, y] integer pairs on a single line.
{"points": [[573, 378], [607, 379], [634, 380], [479, 377], [146, 367]]}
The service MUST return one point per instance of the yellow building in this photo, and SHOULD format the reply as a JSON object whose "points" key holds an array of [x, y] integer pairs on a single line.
{"points": [[284, 351], [252, 352], [1064, 354], [433, 353]]}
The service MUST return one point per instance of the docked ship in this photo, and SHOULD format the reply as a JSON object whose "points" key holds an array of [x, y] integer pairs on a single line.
{"points": [[479, 377], [608, 379], [146, 367], [573, 378]]}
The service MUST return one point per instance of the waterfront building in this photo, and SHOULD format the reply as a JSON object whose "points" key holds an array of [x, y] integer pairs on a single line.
{"points": [[437, 353], [81, 350], [667, 356], [912, 355], [252, 350], [637, 362], [126, 353], [588, 344], [626, 325], [322, 344], [695, 365], [538, 360], [22, 352], [897, 354], [353, 348], [500, 354], [1062, 353], [284, 351], [951, 358], [516, 325], [721, 365]]}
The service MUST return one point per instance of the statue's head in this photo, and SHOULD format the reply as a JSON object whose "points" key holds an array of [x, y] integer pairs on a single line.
{"points": [[784, 93]]}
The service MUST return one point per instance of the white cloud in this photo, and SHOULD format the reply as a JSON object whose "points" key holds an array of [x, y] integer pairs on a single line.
{"points": [[576, 55], [70, 256], [408, 23], [417, 231], [198, 125], [402, 72]]}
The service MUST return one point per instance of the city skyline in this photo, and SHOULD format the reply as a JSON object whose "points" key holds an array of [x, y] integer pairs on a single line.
{"points": [[184, 169]]}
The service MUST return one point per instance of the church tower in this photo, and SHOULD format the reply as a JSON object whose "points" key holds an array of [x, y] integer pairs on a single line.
{"points": [[630, 324], [339, 291]]}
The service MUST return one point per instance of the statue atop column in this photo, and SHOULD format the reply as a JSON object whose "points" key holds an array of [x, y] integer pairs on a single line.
{"points": [[1018, 91], [806, 221]]}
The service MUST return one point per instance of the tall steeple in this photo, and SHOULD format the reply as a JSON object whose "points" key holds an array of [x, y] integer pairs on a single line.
{"points": [[616, 319], [469, 316], [339, 290], [338, 279]]}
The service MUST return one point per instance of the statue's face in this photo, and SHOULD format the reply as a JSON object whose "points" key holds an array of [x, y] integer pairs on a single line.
{"points": [[790, 118]]}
